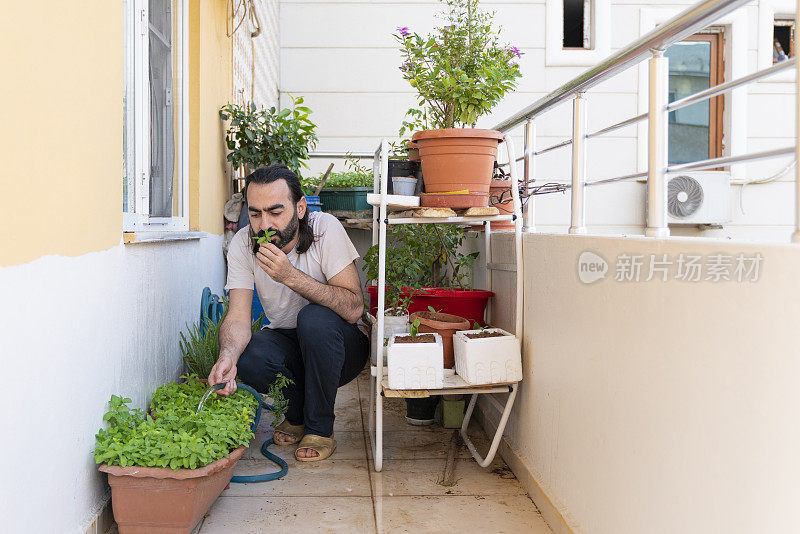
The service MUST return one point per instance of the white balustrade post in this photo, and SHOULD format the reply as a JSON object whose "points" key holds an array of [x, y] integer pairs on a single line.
{"points": [[796, 234], [530, 148], [657, 146], [578, 215]]}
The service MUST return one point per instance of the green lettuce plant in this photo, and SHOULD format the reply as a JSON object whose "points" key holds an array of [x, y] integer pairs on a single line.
{"points": [[357, 175], [172, 435]]}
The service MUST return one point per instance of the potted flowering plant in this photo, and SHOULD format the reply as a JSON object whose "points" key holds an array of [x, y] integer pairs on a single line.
{"points": [[461, 71]]}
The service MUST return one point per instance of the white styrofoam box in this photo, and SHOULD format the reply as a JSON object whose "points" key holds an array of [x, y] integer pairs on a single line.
{"points": [[488, 360], [391, 325], [416, 365]]}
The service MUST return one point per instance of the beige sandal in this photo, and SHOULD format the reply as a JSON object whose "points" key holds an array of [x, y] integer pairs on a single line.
{"points": [[295, 433], [324, 447]]}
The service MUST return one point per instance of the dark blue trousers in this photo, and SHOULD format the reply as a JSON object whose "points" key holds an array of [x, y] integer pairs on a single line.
{"points": [[323, 353]]}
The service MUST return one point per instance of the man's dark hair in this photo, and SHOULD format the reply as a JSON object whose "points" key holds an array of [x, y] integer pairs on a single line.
{"points": [[271, 173]]}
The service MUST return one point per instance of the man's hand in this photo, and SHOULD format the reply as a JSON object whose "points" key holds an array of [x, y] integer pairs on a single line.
{"points": [[274, 262], [223, 371]]}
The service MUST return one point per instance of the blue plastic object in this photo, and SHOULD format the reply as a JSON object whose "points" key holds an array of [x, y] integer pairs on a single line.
{"points": [[211, 307], [314, 203]]}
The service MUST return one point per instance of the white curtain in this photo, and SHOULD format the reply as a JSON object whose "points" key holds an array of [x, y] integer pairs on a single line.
{"points": [[162, 134]]}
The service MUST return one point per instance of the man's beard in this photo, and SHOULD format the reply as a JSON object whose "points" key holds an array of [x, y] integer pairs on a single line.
{"points": [[283, 236]]}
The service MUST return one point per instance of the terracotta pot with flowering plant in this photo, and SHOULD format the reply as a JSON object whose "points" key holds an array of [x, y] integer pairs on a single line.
{"points": [[461, 71]]}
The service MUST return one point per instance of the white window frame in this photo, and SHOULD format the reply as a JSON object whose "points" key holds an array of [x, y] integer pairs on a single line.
{"points": [[139, 220], [599, 34]]}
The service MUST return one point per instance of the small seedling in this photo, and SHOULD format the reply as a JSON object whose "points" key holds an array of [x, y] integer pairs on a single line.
{"points": [[414, 328], [476, 326], [267, 237], [434, 310]]}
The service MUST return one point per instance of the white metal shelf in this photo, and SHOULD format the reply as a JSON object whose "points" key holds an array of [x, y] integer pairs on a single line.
{"points": [[382, 204], [449, 220]]}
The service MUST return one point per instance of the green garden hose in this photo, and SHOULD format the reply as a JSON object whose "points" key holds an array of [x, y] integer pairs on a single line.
{"points": [[264, 448]]}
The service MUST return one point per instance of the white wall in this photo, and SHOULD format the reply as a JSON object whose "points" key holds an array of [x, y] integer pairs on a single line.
{"points": [[76, 331], [340, 55], [657, 407]]}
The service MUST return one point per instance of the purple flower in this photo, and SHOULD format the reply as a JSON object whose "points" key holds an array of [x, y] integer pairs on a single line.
{"points": [[403, 31], [514, 50]]}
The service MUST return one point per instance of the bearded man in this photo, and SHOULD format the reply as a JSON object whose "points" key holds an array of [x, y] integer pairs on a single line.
{"points": [[308, 285]]}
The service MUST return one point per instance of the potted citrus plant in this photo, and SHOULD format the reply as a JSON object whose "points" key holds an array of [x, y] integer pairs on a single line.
{"points": [[460, 71], [257, 136]]}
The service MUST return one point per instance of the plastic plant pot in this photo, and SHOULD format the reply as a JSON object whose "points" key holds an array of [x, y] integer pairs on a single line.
{"points": [[415, 365], [404, 185], [487, 360]]}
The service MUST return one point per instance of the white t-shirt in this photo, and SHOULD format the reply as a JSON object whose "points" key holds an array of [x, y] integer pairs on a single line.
{"points": [[330, 253]]}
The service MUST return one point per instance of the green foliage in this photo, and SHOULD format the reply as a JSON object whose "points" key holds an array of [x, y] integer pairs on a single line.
{"points": [[261, 239], [416, 257], [279, 402], [199, 347], [414, 328], [415, 121], [460, 70], [173, 435], [258, 137], [358, 175]]}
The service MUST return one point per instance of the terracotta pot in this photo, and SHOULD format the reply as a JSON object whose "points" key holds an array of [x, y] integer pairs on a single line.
{"points": [[445, 325], [501, 189], [471, 200], [454, 159], [158, 500], [413, 151]]}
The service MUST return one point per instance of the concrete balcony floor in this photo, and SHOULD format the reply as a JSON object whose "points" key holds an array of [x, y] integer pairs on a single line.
{"points": [[345, 494]]}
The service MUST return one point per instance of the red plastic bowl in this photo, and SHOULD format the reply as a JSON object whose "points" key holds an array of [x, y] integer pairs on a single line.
{"points": [[467, 303]]}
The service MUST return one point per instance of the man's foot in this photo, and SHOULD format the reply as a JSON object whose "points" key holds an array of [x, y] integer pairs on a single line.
{"points": [[288, 434], [313, 448], [306, 453]]}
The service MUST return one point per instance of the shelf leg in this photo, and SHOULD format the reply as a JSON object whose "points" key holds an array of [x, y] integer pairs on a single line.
{"points": [[483, 462]]}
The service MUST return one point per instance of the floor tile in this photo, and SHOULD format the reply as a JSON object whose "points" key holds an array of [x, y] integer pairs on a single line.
{"points": [[496, 514], [348, 413], [349, 446], [298, 515], [420, 477], [405, 445], [326, 478]]}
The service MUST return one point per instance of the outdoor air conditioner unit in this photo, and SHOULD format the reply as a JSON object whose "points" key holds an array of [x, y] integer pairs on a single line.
{"points": [[699, 197]]}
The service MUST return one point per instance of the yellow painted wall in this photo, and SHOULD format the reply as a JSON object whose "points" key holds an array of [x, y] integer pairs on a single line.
{"points": [[215, 87], [61, 139], [61, 135]]}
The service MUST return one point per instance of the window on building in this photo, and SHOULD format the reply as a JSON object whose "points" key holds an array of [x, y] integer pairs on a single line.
{"points": [[695, 132], [783, 40], [577, 23], [154, 177]]}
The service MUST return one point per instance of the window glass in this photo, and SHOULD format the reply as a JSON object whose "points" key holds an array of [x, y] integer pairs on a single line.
{"points": [[577, 15], [689, 72]]}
